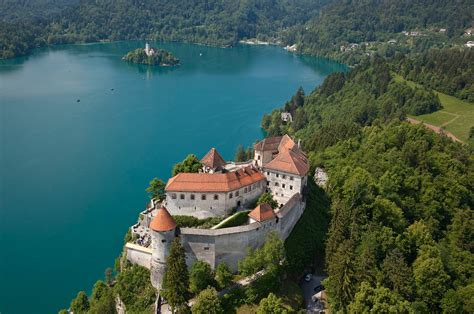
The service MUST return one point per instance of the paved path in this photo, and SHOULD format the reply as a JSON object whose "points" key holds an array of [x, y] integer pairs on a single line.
{"points": [[308, 292], [436, 129]]}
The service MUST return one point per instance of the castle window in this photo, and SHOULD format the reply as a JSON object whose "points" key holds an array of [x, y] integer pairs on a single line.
{"points": [[277, 175], [283, 185], [283, 176], [237, 193], [173, 196], [268, 183], [258, 157], [291, 178], [192, 197], [268, 173], [230, 195], [291, 187], [206, 248], [276, 184], [203, 197], [163, 241], [216, 197], [181, 196], [245, 190]]}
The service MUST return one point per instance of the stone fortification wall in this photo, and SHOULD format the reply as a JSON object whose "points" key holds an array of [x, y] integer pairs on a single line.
{"points": [[137, 254], [230, 245]]}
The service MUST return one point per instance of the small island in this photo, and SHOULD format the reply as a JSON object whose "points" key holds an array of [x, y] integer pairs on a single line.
{"points": [[151, 56]]}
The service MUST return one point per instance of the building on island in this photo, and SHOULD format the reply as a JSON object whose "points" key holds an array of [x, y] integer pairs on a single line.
{"points": [[148, 50], [279, 166]]}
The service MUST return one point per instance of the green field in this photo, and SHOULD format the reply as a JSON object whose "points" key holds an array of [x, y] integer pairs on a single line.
{"points": [[457, 116]]}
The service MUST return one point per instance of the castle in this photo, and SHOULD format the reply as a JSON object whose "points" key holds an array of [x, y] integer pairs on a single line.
{"points": [[220, 189]]}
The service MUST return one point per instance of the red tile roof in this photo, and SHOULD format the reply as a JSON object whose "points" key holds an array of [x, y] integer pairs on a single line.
{"points": [[214, 182], [275, 143], [163, 221], [269, 143], [290, 161], [262, 212], [213, 159]]}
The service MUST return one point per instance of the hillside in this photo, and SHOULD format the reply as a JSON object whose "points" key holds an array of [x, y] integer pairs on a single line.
{"points": [[351, 30], [401, 223], [221, 23]]}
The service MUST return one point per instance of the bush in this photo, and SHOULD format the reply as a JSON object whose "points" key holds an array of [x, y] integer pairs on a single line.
{"points": [[223, 275], [207, 302], [135, 289]]}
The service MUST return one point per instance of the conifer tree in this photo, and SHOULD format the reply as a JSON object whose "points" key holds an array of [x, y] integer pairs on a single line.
{"points": [[240, 155], [176, 278]]}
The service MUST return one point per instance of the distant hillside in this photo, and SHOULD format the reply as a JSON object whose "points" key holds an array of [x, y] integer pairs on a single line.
{"points": [[370, 21], [14, 10], [215, 22]]}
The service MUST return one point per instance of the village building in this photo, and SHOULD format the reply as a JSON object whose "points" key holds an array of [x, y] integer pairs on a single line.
{"points": [[286, 117]]}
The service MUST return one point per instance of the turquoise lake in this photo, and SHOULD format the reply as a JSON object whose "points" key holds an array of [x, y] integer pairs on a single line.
{"points": [[73, 174]]}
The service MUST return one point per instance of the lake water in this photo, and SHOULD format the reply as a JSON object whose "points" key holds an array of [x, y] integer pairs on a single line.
{"points": [[73, 174]]}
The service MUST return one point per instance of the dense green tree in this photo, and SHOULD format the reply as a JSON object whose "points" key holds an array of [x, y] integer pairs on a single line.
{"points": [[378, 299], [271, 305], [156, 190], [223, 275], [190, 164], [267, 198], [429, 275], [134, 288], [269, 257], [80, 304], [207, 302], [102, 300], [200, 276], [176, 278]]}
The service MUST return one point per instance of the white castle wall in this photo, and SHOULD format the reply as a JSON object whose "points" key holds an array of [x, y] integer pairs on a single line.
{"points": [[137, 254], [230, 245], [283, 185]]}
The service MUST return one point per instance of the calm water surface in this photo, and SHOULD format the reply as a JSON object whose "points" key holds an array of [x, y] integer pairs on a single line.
{"points": [[73, 174]]}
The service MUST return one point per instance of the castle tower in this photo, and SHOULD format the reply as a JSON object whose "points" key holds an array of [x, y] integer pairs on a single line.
{"points": [[147, 49], [162, 229]]}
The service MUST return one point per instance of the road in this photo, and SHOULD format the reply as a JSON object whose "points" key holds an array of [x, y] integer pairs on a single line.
{"points": [[308, 292]]}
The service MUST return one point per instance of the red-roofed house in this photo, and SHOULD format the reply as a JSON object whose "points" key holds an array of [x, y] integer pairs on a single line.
{"points": [[286, 172], [213, 194], [261, 213]]}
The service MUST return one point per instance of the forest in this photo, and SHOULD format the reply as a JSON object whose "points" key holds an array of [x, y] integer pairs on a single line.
{"points": [[374, 21], [446, 70], [220, 23], [317, 27]]}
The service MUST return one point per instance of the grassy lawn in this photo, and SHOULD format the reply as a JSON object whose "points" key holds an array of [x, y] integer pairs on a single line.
{"points": [[457, 116], [238, 219]]}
